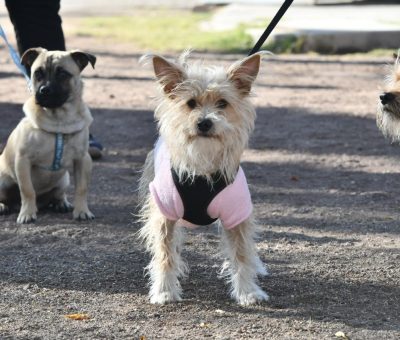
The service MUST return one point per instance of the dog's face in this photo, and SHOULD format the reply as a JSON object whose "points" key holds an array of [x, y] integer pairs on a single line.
{"points": [[204, 114], [388, 114], [55, 75]]}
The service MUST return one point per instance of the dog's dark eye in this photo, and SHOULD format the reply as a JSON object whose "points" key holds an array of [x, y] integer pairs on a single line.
{"points": [[39, 74], [221, 104], [191, 103], [62, 74]]}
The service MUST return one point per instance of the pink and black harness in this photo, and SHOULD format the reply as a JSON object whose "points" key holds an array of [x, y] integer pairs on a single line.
{"points": [[198, 202]]}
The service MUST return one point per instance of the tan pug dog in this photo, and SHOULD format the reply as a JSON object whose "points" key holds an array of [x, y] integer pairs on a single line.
{"points": [[52, 138]]}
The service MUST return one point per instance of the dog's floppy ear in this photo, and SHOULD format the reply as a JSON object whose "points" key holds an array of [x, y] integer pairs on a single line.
{"points": [[29, 57], [82, 59], [244, 72], [168, 74]]}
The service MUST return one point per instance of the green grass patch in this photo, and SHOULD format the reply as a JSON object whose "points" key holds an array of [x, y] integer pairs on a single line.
{"points": [[165, 30], [174, 31]]}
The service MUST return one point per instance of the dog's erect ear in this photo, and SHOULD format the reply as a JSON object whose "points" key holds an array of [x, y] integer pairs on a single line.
{"points": [[29, 57], [82, 59], [243, 73], [168, 74]]}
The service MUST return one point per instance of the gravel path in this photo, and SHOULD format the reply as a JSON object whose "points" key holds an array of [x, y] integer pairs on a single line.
{"points": [[326, 189]]}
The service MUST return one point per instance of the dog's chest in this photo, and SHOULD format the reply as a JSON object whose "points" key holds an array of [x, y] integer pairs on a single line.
{"points": [[55, 152], [197, 195]]}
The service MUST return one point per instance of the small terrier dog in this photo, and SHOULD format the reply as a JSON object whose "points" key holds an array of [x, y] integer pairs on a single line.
{"points": [[52, 138], [388, 113], [193, 176]]}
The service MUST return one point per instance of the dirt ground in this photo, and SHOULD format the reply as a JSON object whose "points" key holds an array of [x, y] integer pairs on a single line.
{"points": [[326, 188]]}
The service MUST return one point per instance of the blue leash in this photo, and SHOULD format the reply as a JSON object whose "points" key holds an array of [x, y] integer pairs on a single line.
{"points": [[15, 57]]}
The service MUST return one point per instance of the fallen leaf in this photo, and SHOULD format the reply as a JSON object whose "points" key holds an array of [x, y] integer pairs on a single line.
{"points": [[142, 337], [294, 178], [77, 316], [341, 334], [204, 325]]}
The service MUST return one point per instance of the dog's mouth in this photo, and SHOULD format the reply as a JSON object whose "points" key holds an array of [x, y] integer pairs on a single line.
{"points": [[391, 111], [51, 102], [203, 136]]}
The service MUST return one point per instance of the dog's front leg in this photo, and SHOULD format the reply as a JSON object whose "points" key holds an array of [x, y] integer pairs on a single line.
{"points": [[28, 210], [243, 263], [164, 240], [82, 171]]}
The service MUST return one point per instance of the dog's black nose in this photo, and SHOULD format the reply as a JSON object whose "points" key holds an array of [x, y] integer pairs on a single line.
{"points": [[387, 97], [45, 90], [204, 125]]}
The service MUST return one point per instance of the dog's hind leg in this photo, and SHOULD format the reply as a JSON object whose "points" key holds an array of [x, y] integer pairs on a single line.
{"points": [[4, 209], [5, 184], [146, 177], [163, 239], [9, 193], [243, 263], [59, 201]]}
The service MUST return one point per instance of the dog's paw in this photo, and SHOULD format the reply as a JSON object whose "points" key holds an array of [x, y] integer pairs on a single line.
{"points": [[24, 218], [4, 209], [164, 297], [246, 299], [261, 269], [82, 215], [62, 206]]}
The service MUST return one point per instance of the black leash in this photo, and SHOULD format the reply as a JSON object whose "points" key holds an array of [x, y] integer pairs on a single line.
{"points": [[278, 16]]}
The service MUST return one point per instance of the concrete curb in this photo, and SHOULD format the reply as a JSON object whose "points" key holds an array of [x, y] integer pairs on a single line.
{"points": [[336, 42], [327, 29]]}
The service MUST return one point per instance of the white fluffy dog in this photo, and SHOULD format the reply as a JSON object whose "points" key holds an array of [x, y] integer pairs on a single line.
{"points": [[193, 176]]}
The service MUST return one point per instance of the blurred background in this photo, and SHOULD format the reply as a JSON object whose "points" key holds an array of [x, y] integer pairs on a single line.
{"points": [[322, 26]]}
